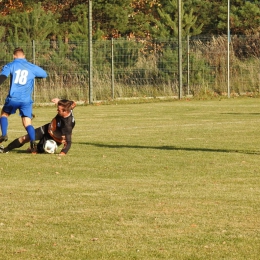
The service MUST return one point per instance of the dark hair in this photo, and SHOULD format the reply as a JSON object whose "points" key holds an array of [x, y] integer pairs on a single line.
{"points": [[67, 105], [18, 49]]}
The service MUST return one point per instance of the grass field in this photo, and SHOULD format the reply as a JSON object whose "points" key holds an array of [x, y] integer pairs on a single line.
{"points": [[166, 180]]}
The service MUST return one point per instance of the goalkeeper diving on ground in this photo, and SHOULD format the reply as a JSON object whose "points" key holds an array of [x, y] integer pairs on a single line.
{"points": [[59, 130]]}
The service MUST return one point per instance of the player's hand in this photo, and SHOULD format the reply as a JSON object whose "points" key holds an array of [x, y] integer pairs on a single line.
{"points": [[73, 104], [55, 100], [63, 141]]}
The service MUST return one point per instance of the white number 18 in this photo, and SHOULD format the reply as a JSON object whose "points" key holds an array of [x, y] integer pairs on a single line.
{"points": [[21, 77]]}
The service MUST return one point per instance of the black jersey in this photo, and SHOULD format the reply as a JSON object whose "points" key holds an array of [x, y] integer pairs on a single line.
{"points": [[60, 129]]}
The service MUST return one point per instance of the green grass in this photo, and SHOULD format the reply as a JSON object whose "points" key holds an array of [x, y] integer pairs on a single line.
{"points": [[165, 180]]}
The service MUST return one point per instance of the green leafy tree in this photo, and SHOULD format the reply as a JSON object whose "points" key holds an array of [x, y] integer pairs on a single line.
{"points": [[27, 26]]}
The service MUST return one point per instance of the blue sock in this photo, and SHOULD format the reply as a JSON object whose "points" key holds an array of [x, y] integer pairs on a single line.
{"points": [[4, 125], [31, 132]]}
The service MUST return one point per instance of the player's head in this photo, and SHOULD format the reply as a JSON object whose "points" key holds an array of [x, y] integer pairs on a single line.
{"points": [[65, 106], [18, 53]]}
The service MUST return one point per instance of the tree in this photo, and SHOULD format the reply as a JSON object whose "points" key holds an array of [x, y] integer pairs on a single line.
{"points": [[8, 6], [137, 18], [112, 16], [167, 24], [27, 26], [244, 17], [79, 29]]}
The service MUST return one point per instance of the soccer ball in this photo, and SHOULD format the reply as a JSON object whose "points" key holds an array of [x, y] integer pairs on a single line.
{"points": [[50, 146]]}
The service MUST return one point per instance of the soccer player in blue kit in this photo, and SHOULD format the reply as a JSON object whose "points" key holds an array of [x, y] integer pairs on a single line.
{"points": [[22, 74]]}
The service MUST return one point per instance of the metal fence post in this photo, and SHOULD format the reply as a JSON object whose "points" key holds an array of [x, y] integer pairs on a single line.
{"points": [[188, 64], [90, 52], [180, 48], [228, 43], [112, 69], [33, 56]]}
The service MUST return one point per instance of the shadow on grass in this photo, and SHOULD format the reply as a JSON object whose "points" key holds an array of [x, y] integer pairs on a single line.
{"points": [[170, 148], [257, 114]]}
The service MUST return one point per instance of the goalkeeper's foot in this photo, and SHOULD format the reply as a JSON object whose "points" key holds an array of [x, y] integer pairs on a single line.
{"points": [[3, 138], [2, 149], [33, 147]]}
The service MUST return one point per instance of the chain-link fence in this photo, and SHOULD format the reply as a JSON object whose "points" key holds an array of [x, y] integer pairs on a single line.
{"points": [[140, 67]]}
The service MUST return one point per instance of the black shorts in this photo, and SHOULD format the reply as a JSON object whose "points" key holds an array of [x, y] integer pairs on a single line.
{"points": [[41, 134]]}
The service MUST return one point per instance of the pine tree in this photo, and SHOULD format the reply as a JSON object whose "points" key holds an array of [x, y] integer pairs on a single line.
{"points": [[27, 26], [78, 30], [244, 17], [167, 24]]}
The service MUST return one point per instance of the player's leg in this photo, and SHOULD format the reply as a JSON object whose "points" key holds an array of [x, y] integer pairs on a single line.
{"points": [[19, 142], [4, 126], [26, 114], [41, 134], [8, 109], [27, 123], [16, 143]]}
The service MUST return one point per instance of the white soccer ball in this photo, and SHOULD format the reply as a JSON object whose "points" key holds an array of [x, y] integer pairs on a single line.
{"points": [[50, 146]]}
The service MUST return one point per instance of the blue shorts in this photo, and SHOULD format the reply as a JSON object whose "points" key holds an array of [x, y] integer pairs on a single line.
{"points": [[25, 108]]}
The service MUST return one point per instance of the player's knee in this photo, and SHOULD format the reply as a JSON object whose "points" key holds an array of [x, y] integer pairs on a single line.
{"points": [[24, 139], [4, 114]]}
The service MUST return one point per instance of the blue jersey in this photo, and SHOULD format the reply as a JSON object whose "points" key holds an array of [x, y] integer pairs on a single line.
{"points": [[22, 74]]}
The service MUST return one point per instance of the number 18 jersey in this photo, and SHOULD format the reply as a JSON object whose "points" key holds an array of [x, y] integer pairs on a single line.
{"points": [[22, 74]]}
